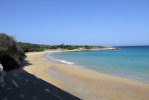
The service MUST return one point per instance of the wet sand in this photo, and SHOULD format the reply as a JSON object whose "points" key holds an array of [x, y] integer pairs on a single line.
{"points": [[84, 83]]}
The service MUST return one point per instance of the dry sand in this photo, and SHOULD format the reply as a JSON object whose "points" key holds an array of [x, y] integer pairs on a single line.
{"points": [[84, 83]]}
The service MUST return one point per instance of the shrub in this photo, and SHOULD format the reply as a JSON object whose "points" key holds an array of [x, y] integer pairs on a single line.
{"points": [[10, 51]]}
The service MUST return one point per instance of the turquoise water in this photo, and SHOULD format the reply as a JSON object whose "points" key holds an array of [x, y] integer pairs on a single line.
{"points": [[129, 62]]}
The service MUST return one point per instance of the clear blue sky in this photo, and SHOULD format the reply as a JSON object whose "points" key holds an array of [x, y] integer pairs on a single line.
{"points": [[92, 22]]}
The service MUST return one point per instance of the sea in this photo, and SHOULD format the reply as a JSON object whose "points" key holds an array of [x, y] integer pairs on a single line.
{"points": [[131, 62]]}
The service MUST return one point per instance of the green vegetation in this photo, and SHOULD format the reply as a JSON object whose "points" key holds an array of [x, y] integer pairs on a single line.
{"points": [[27, 47], [87, 47], [67, 47], [11, 55]]}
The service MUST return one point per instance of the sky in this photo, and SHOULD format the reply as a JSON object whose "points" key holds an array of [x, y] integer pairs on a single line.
{"points": [[76, 22]]}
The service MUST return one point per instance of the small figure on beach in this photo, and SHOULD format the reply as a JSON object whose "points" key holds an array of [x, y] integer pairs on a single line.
{"points": [[2, 74]]}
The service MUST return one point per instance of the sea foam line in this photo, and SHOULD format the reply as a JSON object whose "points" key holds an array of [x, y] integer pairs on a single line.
{"points": [[58, 60]]}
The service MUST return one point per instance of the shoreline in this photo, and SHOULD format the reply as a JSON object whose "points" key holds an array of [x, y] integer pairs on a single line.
{"points": [[89, 84], [72, 64]]}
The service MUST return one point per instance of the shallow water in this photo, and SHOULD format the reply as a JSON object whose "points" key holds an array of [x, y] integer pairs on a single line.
{"points": [[129, 62]]}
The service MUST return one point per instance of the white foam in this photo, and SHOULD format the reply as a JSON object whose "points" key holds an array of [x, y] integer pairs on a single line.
{"points": [[62, 61], [50, 53], [66, 62]]}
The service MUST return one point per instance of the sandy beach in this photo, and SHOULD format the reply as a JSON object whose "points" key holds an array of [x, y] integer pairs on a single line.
{"points": [[74, 50], [84, 83]]}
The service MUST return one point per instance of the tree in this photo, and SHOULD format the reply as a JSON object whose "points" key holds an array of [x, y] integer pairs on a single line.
{"points": [[87, 47], [62, 46]]}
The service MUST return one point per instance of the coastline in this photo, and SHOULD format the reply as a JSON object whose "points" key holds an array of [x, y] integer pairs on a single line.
{"points": [[85, 83], [72, 63]]}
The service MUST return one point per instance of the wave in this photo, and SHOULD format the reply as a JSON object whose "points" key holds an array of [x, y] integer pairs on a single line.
{"points": [[63, 61], [59, 60]]}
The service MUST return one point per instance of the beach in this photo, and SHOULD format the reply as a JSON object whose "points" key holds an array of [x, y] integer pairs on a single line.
{"points": [[83, 83], [74, 50]]}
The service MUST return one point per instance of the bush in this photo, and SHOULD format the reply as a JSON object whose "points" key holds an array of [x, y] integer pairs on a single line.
{"points": [[10, 50], [27, 47]]}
